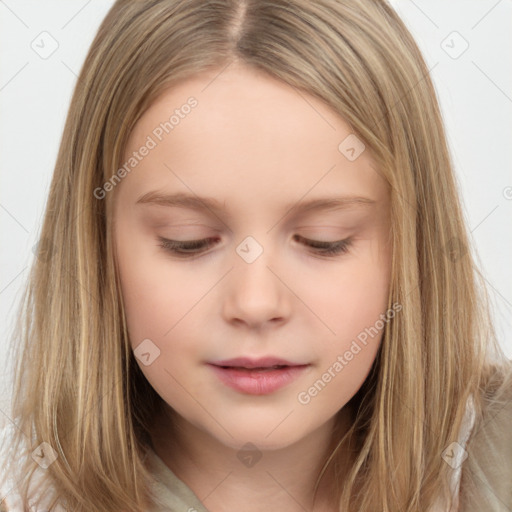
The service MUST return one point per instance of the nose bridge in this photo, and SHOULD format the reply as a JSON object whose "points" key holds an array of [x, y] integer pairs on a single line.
{"points": [[255, 292], [254, 257]]}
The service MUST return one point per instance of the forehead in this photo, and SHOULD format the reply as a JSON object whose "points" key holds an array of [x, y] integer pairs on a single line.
{"points": [[248, 135]]}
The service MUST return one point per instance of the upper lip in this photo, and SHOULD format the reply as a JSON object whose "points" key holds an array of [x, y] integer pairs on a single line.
{"points": [[263, 362]]}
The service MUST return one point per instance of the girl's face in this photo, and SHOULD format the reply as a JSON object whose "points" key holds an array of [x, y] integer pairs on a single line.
{"points": [[260, 151]]}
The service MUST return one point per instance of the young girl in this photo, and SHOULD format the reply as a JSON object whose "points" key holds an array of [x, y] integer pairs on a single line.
{"points": [[254, 288]]}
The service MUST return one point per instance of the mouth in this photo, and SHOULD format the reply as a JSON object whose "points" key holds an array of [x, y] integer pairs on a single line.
{"points": [[262, 363], [258, 380], [257, 369]]}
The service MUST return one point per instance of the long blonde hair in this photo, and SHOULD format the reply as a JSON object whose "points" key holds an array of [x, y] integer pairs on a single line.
{"points": [[77, 386]]}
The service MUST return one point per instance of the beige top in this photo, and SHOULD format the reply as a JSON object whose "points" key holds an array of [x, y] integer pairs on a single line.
{"points": [[171, 492], [482, 469], [486, 481]]}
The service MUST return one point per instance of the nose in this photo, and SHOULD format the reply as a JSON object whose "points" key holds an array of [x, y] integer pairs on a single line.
{"points": [[255, 293]]}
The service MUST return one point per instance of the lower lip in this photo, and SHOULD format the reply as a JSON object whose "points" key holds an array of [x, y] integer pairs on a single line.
{"points": [[258, 382]]}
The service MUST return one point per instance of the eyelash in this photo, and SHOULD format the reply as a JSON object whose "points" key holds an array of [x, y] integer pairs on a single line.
{"points": [[190, 248]]}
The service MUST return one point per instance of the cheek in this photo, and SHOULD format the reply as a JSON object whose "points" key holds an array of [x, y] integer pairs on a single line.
{"points": [[158, 302], [348, 296], [154, 292], [352, 305]]}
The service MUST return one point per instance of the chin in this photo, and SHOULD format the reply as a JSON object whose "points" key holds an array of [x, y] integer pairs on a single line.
{"points": [[260, 435]]}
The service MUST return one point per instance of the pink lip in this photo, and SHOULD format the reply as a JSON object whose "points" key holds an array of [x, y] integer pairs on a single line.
{"points": [[262, 362], [257, 381]]}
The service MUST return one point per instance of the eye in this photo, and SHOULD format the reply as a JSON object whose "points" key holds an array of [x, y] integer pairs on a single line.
{"points": [[185, 249], [192, 248], [327, 248]]}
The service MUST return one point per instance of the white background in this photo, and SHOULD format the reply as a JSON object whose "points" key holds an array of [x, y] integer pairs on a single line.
{"points": [[474, 89]]}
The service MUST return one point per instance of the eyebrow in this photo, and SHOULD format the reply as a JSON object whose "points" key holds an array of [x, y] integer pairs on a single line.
{"points": [[182, 200]]}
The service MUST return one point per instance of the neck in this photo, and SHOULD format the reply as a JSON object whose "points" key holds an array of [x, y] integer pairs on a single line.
{"points": [[226, 478]]}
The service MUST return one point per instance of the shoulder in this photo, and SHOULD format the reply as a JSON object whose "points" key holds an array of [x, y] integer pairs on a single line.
{"points": [[9, 498], [10, 495], [486, 482]]}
